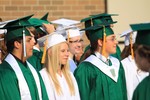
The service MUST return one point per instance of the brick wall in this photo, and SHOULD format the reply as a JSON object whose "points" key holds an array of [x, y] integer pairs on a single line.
{"points": [[73, 9]]}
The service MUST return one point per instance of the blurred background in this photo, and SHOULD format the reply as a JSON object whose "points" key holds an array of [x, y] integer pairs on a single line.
{"points": [[129, 11]]}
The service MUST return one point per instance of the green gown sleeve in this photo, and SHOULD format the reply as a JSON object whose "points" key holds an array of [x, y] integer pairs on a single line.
{"points": [[44, 92], [142, 92], [8, 85]]}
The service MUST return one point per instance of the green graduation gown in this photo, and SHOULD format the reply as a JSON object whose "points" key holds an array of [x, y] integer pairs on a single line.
{"points": [[35, 60], [94, 84], [9, 87], [142, 92]]}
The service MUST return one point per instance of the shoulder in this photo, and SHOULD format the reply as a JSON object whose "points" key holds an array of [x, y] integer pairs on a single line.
{"points": [[5, 67], [7, 73], [145, 83], [114, 59], [43, 72], [85, 68]]}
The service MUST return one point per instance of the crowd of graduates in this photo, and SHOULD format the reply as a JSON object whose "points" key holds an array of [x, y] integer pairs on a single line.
{"points": [[47, 60]]}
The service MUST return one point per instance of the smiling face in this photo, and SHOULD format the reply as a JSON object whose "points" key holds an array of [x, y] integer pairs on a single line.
{"points": [[111, 44], [75, 45]]}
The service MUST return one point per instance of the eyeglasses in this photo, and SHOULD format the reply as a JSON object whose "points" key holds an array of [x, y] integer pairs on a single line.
{"points": [[77, 41], [112, 39]]}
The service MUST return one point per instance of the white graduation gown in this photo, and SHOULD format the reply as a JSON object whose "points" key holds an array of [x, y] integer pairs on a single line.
{"points": [[133, 77], [52, 94]]}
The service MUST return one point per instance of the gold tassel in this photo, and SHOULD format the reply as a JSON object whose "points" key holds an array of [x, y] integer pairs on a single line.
{"points": [[68, 37], [44, 52], [131, 46], [104, 41]]}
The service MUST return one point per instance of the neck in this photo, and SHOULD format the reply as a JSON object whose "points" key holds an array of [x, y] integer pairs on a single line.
{"points": [[71, 55], [59, 72], [19, 56], [105, 55]]}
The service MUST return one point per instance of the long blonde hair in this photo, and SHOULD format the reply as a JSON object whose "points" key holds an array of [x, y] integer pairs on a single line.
{"points": [[52, 64]]}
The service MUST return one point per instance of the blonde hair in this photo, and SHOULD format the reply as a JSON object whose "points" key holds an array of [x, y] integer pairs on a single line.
{"points": [[52, 64]]}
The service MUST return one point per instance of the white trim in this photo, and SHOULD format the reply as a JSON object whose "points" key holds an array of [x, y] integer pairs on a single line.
{"points": [[104, 67], [23, 86]]}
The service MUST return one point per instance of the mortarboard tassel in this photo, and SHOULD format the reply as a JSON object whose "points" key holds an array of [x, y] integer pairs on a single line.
{"points": [[24, 44], [91, 22], [131, 46], [44, 52], [104, 41], [68, 37]]}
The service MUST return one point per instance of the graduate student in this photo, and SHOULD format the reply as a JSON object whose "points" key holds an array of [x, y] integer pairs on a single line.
{"points": [[99, 19], [101, 76], [142, 59], [59, 80], [42, 28], [18, 78], [70, 31], [132, 73]]}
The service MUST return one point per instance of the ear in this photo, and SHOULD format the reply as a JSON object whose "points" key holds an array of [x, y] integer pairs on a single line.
{"points": [[17, 44], [100, 42]]}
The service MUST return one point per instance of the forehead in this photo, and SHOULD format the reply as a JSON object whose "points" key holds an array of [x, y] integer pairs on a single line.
{"points": [[112, 35], [75, 38], [63, 45]]}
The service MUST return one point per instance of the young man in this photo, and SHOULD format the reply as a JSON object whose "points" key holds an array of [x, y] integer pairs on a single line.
{"points": [[18, 78]]}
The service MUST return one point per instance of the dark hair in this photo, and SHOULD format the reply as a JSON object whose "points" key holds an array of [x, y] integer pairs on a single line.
{"points": [[142, 57], [87, 53], [126, 52], [10, 44], [34, 32], [1, 20], [144, 51]]}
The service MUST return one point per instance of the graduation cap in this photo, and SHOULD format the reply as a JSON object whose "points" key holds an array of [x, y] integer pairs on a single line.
{"points": [[143, 33], [65, 22], [50, 40], [45, 17], [17, 29], [104, 19], [74, 32], [96, 20], [67, 27], [130, 37], [19, 22], [39, 23], [99, 32]]}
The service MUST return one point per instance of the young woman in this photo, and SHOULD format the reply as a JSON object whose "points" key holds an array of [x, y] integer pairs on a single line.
{"points": [[142, 59], [101, 76], [59, 81], [132, 73]]}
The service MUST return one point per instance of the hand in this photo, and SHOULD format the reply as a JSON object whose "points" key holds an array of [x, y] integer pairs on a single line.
{"points": [[49, 28]]}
